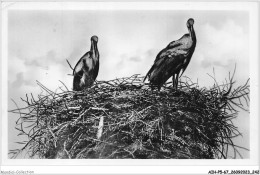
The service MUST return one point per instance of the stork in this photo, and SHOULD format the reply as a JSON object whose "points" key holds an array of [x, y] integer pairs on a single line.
{"points": [[86, 70], [173, 59]]}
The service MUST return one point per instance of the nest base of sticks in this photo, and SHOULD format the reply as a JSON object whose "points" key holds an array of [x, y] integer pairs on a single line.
{"points": [[126, 119]]}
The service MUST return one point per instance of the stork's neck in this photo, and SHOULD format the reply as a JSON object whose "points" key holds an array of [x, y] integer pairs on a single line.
{"points": [[192, 34], [94, 50]]}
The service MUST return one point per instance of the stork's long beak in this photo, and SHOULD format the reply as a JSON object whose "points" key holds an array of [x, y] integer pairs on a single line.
{"points": [[192, 32], [93, 48]]}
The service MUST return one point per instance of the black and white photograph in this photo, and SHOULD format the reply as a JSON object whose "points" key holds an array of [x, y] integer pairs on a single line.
{"points": [[165, 82]]}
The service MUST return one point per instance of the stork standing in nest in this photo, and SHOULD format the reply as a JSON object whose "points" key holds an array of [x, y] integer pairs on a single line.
{"points": [[173, 59], [86, 70]]}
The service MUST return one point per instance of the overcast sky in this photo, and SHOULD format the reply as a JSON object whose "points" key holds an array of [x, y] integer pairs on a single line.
{"points": [[39, 42]]}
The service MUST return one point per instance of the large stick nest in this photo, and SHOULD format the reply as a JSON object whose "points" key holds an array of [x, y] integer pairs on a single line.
{"points": [[124, 118]]}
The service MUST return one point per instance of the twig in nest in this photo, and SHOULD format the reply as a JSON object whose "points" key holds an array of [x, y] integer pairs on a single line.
{"points": [[100, 127], [69, 65]]}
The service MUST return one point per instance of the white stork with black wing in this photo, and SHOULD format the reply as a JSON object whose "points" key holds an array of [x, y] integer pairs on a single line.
{"points": [[86, 70], [173, 59]]}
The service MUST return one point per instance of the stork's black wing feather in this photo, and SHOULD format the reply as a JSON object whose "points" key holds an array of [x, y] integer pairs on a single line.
{"points": [[162, 55], [164, 69], [163, 52], [80, 62]]}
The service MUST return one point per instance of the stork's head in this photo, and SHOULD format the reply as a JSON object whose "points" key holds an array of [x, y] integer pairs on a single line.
{"points": [[190, 22], [94, 38]]}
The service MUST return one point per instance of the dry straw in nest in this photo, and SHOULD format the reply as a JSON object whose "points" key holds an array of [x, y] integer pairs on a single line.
{"points": [[124, 118]]}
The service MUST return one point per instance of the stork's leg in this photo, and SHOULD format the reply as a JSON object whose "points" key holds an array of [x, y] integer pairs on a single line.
{"points": [[177, 80], [173, 80]]}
